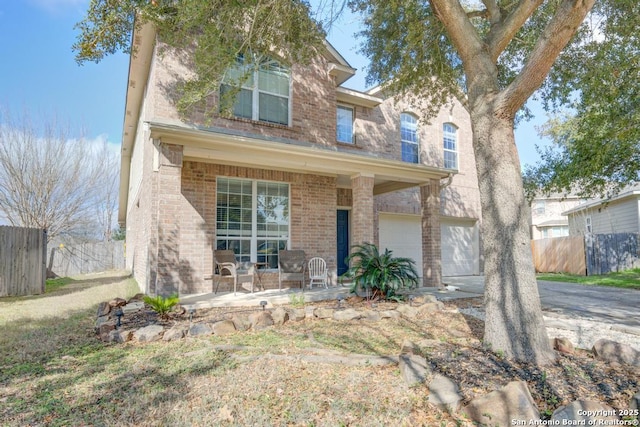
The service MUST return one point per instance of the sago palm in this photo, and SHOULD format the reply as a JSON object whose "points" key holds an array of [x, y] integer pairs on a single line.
{"points": [[383, 274]]}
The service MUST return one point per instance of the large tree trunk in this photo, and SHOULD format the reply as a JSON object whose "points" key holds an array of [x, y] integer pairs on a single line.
{"points": [[514, 324]]}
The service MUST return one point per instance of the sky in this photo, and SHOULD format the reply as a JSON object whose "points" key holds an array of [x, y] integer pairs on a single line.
{"points": [[39, 75]]}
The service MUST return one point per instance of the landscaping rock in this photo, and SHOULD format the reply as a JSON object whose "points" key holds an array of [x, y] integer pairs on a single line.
{"points": [[176, 333], [106, 327], [563, 345], [634, 403], [241, 321], [120, 335], [149, 333], [260, 320], [345, 315], [389, 314], [309, 312], [199, 329], [430, 308], [323, 313], [223, 327], [136, 297], [414, 369], [103, 309], [444, 394], [409, 347], [407, 311], [132, 307], [501, 407], [614, 352], [100, 321], [371, 316], [280, 316], [590, 411], [297, 314], [118, 302]]}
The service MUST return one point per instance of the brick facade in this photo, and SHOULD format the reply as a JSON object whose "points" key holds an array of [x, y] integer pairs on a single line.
{"points": [[171, 216]]}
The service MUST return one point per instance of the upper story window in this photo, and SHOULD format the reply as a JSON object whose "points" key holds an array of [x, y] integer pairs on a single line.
{"points": [[264, 94], [540, 207], [409, 138], [450, 142], [344, 124]]}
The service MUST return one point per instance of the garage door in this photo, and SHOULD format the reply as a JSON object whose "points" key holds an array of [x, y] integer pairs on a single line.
{"points": [[403, 235], [459, 248]]}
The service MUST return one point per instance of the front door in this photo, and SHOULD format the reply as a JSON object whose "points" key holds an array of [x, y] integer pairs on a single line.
{"points": [[342, 240]]}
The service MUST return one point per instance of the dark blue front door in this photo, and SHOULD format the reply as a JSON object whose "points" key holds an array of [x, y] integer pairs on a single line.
{"points": [[343, 240]]}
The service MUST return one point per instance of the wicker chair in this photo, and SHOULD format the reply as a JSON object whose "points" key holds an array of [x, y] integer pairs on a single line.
{"points": [[291, 267], [225, 266]]}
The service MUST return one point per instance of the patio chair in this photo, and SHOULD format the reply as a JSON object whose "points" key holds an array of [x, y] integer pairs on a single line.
{"points": [[225, 266], [291, 267], [318, 272]]}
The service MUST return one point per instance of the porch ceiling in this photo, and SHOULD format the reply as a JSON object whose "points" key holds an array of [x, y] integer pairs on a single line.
{"points": [[221, 146]]}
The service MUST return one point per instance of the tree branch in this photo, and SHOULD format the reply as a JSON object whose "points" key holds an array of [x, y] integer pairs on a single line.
{"points": [[502, 32], [494, 11], [462, 33], [559, 31]]}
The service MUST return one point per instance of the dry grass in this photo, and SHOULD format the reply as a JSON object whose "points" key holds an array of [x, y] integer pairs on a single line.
{"points": [[54, 372]]}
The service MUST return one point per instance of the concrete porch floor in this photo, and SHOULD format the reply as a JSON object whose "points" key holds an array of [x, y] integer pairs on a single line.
{"points": [[274, 297]]}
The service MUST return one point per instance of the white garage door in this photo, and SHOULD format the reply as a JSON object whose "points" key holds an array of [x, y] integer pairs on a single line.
{"points": [[459, 248], [403, 235]]}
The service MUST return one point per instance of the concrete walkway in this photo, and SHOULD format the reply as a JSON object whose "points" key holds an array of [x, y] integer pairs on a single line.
{"points": [[599, 303]]}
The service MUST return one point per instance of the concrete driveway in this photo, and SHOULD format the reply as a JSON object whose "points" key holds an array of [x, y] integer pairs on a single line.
{"points": [[600, 303]]}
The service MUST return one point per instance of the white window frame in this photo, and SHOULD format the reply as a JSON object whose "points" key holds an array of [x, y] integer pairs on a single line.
{"points": [[540, 207], [404, 141], [350, 108], [254, 88], [450, 133], [588, 224], [253, 238]]}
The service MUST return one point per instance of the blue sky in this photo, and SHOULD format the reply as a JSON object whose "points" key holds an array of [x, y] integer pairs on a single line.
{"points": [[38, 73]]}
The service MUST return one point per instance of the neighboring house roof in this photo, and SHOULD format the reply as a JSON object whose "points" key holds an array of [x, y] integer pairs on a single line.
{"points": [[553, 223], [632, 191]]}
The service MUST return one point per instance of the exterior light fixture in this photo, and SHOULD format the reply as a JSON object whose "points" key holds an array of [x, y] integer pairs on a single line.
{"points": [[192, 311], [411, 299], [263, 304], [119, 313]]}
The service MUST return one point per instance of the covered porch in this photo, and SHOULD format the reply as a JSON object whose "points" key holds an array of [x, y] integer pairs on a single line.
{"points": [[316, 184]]}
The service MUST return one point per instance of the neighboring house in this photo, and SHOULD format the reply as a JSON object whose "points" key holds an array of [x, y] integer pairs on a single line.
{"points": [[620, 214], [304, 163], [547, 215]]}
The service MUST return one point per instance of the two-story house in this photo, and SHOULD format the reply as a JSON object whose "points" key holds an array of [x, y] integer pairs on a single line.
{"points": [[548, 218], [301, 163]]}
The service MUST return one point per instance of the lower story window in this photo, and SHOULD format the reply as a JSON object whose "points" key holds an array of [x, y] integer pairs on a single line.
{"points": [[252, 219]]}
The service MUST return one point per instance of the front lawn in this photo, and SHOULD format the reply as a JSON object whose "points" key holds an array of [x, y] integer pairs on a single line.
{"points": [[629, 279]]}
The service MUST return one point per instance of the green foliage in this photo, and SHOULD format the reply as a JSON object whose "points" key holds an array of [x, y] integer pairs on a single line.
{"points": [[296, 300], [162, 305], [119, 233], [59, 282], [383, 274], [208, 35], [629, 279]]}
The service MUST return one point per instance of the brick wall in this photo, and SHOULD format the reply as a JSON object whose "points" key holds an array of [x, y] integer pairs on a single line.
{"points": [[312, 217]]}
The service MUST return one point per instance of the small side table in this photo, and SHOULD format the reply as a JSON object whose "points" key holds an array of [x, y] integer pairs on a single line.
{"points": [[260, 269]]}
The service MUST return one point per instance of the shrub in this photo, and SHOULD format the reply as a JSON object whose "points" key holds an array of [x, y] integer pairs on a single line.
{"points": [[383, 274], [162, 305]]}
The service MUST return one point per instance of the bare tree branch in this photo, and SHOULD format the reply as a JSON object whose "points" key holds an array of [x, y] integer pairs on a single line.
{"points": [[502, 32], [495, 15]]}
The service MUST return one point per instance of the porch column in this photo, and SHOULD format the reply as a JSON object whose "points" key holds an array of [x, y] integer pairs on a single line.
{"points": [[431, 235], [169, 193], [362, 211]]}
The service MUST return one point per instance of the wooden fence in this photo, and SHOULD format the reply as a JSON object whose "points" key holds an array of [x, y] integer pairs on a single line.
{"points": [[607, 253], [559, 255], [82, 258], [587, 255], [22, 261]]}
